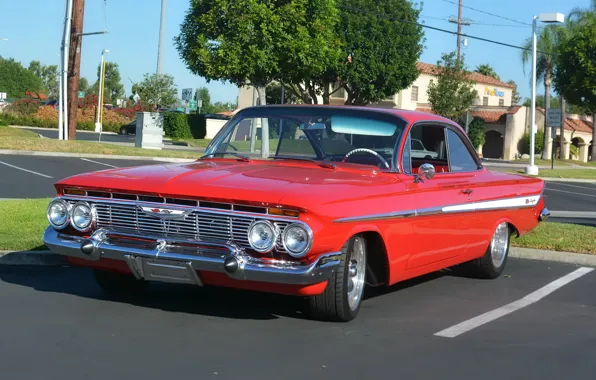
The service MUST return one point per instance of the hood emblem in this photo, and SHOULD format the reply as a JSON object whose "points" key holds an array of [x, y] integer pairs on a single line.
{"points": [[165, 213]]}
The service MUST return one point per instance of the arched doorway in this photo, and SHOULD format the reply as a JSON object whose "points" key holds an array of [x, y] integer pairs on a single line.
{"points": [[493, 145], [574, 152]]}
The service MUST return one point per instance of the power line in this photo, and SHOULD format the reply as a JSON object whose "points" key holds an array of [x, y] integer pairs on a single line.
{"points": [[474, 22], [487, 13], [357, 10]]}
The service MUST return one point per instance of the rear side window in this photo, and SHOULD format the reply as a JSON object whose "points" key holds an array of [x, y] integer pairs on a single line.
{"points": [[460, 158]]}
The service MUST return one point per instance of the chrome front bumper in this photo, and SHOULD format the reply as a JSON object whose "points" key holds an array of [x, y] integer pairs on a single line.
{"points": [[177, 260]]}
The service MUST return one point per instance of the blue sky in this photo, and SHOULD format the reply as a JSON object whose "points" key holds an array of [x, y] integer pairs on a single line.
{"points": [[34, 30]]}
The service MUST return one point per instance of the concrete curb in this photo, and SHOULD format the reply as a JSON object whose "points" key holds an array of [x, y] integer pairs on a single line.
{"points": [[576, 180], [92, 155], [560, 257], [35, 258], [47, 258]]}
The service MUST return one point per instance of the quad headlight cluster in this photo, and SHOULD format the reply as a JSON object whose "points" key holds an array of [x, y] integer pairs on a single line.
{"points": [[80, 215], [296, 238]]}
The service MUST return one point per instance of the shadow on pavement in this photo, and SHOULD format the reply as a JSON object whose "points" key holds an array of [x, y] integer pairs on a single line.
{"points": [[207, 301]]}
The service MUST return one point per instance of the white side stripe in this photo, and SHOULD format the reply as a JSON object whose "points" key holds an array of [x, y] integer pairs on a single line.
{"points": [[531, 298], [501, 203]]}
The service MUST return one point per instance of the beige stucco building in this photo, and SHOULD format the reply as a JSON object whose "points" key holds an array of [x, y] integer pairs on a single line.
{"points": [[505, 124]]}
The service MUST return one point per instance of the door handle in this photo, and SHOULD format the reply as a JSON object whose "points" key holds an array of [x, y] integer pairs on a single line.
{"points": [[467, 191]]}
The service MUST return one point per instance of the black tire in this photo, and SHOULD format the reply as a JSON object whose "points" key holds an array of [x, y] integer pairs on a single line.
{"points": [[332, 304], [118, 284], [484, 266], [123, 131]]}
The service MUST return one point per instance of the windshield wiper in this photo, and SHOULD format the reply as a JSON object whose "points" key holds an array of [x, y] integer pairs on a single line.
{"points": [[326, 165], [240, 156]]}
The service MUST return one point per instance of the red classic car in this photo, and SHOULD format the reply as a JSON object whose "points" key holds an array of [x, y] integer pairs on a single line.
{"points": [[306, 200]]}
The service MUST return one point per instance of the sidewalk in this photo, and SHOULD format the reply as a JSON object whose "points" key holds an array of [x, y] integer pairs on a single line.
{"points": [[47, 258]]}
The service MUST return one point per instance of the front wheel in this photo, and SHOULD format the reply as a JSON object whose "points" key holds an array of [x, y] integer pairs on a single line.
{"points": [[114, 283], [343, 295], [492, 264], [123, 131]]}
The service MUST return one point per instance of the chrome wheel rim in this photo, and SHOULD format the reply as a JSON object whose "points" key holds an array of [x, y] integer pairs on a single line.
{"points": [[356, 272], [499, 245]]}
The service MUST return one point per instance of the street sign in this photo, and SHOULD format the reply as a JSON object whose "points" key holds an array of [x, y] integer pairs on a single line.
{"points": [[136, 98], [200, 102], [553, 133], [192, 105], [554, 117], [81, 94], [186, 93]]}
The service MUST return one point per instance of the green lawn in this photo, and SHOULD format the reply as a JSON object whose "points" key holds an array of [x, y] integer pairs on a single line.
{"points": [[18, 139], [559, 237], [197, 143], [560, 173], [23, 222], [539, 161]]}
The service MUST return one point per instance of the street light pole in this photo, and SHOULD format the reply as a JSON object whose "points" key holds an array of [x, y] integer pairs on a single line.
{"points": [[546, 18], [98, 126], [533, 169]]}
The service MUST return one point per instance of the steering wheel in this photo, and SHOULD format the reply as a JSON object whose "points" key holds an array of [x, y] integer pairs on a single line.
{"points": [[377, 155]]}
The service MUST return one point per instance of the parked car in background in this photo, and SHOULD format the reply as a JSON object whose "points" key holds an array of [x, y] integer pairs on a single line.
{"points": [[129, 129], [331, 201]]}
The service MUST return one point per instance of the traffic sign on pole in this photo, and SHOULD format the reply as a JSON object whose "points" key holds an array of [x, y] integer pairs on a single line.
{"points": [[186, 93]]}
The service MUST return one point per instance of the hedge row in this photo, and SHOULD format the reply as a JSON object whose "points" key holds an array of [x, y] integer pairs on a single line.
{"points": [[183, 126]]}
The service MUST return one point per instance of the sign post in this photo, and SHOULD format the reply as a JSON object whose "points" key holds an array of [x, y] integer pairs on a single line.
{"points": [[553, 120]]}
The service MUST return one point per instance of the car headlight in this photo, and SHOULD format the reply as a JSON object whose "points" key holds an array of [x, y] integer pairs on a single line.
{"points": [[82, 216], [58, 213], [262, 236], [297, 239]]}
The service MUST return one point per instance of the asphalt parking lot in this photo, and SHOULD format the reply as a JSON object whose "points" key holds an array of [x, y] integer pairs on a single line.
{"points": [[540, 325], [35, 176]]}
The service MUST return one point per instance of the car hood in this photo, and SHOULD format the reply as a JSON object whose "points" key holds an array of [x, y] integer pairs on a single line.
{"points": [[269, 182]]}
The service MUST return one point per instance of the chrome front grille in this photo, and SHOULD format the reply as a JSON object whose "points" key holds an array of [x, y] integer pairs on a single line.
{"points": [[199, 224]]}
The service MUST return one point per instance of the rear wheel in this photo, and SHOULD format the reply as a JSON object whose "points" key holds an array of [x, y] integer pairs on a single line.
{"points": [[344, 292], [114, 283], [492, 264]]}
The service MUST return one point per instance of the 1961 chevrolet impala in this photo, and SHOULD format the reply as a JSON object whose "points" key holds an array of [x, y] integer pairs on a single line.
{"points": [[304, 200]]}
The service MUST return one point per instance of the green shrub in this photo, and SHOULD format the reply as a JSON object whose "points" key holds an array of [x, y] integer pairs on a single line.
{"points": [[175, 124], [198, 125], [524, 144]]}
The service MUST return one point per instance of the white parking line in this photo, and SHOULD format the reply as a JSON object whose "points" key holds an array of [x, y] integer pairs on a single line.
{"points": [[531, 298], [571, 192], [25, 170], [99, 163]]}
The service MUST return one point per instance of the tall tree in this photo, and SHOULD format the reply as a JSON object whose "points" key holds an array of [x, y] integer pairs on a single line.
{"points": [[49, 77], [379, 53], [547, 44], [15, 80], [113, 89], [515, 96], [453, 92], [83, 84], [157, 89], [576, 69], [487, 69]]}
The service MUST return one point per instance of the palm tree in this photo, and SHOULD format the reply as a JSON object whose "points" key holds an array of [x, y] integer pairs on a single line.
{"points": [[486, 69], [546, 45]]}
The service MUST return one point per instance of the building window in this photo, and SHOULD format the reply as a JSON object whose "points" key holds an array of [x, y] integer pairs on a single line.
{"points": [[485, 100], [414, 95], [501, 102]]}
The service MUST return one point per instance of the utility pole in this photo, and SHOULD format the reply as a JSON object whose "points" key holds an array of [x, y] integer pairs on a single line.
{"points": [[74, 65], [459, 21], [162, 25]]}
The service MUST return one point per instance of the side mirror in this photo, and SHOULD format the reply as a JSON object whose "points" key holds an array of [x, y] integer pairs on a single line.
{"points": [[425, 171]]}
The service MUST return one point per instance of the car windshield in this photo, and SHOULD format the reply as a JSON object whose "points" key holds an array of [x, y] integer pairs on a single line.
{"points": [[326, 134]]}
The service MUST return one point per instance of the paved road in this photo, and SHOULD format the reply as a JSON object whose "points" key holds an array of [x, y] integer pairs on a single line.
{"points": [[34, 176], [57, 324]]}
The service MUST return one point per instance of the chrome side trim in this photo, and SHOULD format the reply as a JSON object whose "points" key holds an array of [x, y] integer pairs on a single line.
{"points": [[178, 259], [499, 204]]}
